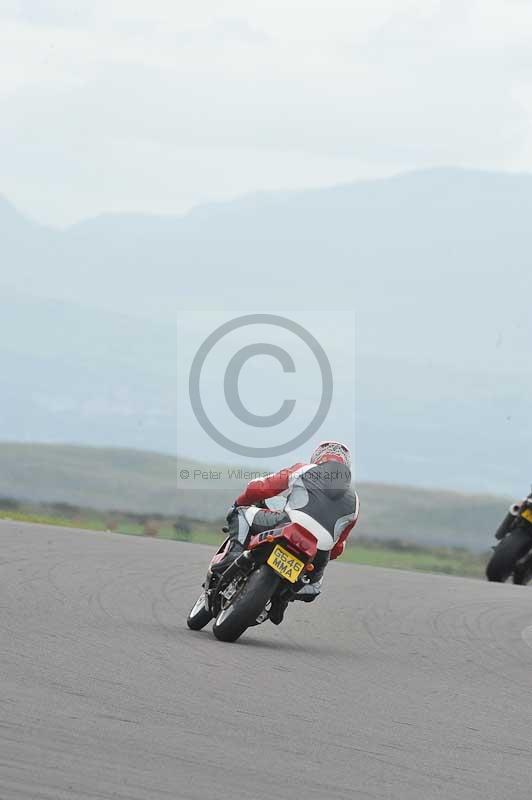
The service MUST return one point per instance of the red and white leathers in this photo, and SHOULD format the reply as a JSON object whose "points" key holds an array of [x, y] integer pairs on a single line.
{"points": [[318, 496]]}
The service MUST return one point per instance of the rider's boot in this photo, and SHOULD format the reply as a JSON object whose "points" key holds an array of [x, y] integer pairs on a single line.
{"points": [[312, 589], [308, 592]]}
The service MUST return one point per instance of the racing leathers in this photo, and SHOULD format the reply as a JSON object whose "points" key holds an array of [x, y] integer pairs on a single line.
{"points": [[318, 496]]}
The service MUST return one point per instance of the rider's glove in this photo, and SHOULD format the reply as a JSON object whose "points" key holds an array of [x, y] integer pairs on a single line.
{"points": [[229, 516], [337, 550]]}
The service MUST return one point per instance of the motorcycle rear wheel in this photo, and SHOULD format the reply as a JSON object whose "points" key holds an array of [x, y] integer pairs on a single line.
{"points": [[247, 604], [506, 555]]}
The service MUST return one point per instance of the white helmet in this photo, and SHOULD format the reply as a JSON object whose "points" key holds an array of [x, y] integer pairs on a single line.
{"points": [[331, 451]]}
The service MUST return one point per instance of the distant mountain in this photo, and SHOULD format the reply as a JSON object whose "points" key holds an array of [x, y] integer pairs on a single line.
{"points": [[134, 481], [68, 373], [435, 267], [448, 250]]}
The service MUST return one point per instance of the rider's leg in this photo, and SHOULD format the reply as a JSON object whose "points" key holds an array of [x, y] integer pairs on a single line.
{"points": [[264, 519], [245, 521], [307, 593], [312, 589]]}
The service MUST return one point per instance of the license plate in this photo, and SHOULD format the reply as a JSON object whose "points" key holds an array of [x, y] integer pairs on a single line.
{"points": [[527, 514], [285, 563]]}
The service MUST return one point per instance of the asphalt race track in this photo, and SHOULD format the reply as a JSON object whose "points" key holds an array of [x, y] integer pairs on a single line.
{"points": [[392, 685]]}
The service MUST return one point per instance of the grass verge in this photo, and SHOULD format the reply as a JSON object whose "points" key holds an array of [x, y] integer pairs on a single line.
{"points": [[393, 555]]}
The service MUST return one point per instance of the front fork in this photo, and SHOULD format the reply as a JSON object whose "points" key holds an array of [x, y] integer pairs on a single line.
{"points": [[508, 522]]}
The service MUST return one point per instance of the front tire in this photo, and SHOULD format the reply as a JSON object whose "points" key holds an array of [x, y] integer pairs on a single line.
{"points": [[503, 561], [199, 616], [523, 572], [244, 609]]}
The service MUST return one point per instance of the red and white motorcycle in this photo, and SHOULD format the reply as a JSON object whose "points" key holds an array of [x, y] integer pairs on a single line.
{"points": [[275, 565]]}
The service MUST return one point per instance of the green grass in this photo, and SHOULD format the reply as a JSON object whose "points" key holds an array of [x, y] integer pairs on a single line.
{"points": [[204, 534], [48, 519], [447, 561]]}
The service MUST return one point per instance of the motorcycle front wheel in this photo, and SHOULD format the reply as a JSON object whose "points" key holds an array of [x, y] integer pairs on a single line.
{"points": [[506, 555], [246, 605], [522, 575], [199, 616]]}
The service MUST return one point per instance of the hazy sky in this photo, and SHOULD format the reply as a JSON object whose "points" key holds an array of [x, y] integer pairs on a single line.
{"points": [[111, 105]]}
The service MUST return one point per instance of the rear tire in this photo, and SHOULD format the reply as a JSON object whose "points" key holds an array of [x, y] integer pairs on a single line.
{"points": [[503, 561], [232, 621], [199, 616]]}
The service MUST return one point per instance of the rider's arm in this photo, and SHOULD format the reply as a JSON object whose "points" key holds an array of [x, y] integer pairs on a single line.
{"points": [[264, 488], [339, 547]]}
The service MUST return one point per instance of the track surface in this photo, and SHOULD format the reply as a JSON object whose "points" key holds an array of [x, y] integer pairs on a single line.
{"points": [[393, 685]]}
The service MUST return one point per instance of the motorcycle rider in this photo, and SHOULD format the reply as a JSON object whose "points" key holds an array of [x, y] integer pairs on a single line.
{"points": [[319, 497]]}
